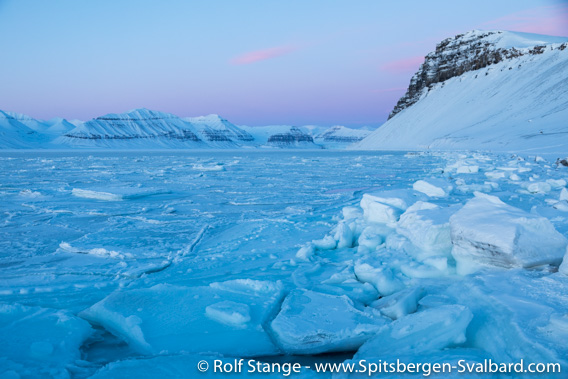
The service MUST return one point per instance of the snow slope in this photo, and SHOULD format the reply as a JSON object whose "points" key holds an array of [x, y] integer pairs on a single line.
{"points": [[503, 91], [16, 135]]}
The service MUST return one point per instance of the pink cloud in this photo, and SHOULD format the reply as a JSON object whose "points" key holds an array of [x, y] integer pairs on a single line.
{"points": [[261, 55], [551, 20], [403, 66]]}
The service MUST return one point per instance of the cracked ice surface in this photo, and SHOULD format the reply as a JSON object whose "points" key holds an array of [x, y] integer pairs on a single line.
{"points": [[122, 264]]}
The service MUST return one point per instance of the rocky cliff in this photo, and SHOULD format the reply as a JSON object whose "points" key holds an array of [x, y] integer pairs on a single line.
{"points": [[463, 53]]}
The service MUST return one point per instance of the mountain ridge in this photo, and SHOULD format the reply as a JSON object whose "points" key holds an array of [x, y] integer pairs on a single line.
{"points": [[143, 128], [497, 90]]}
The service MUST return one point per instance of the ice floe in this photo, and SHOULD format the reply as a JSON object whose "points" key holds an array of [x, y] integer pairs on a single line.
{"points": [[486, 231], [311, 323]]}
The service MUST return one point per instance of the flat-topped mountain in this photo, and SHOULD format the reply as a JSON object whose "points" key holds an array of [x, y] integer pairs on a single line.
{"points": [[492, 90]]}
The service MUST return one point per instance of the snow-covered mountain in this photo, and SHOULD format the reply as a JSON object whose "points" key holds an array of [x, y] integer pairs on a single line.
{"points": [[135, 129], [339, 136], [217, 130], [149, 129], [14, 134], [282, 136], [492, 90]]}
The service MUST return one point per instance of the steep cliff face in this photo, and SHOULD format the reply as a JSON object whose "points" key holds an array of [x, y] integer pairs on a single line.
{"points": [[500, 91], [469, 52]]}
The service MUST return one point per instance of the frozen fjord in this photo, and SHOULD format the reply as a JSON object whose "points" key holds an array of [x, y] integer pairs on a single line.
{"points": [[112, 261]]}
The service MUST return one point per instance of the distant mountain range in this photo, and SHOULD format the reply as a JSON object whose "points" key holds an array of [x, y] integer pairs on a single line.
{"points": [[148, 129], [484, 90]]}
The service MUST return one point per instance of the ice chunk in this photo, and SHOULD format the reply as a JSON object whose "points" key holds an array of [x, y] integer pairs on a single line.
{"points": [[422, 332], [467, 169], [382, 278], [539, 187], [433, 187], [375, 211], [326, 243], [249, 287], [564, 266], [192, 319], [311, 323], [496, 174], [370, 238], [306, 252], [98, 195], [118, 194], [432, 267], [556, 183], [561, 205], [98, 251], [343, 235], [213, 167], [564, 194], [351, 213], [399, 304], [486, 231], [427, 226], [228, 312], [43, 340], [385, 207]]}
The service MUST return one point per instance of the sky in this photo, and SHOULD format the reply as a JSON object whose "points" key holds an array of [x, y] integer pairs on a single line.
{"points": [[322, 62]]}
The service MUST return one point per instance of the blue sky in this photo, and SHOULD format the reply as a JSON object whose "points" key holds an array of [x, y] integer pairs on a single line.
{"points": [[253, 62]]}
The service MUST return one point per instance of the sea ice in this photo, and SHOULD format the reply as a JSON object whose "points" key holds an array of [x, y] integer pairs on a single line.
{"points": [[222, 318]]}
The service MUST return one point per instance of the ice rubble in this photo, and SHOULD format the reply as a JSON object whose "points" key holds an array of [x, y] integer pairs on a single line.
{"points": [[409, 249], [312, 323]]}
